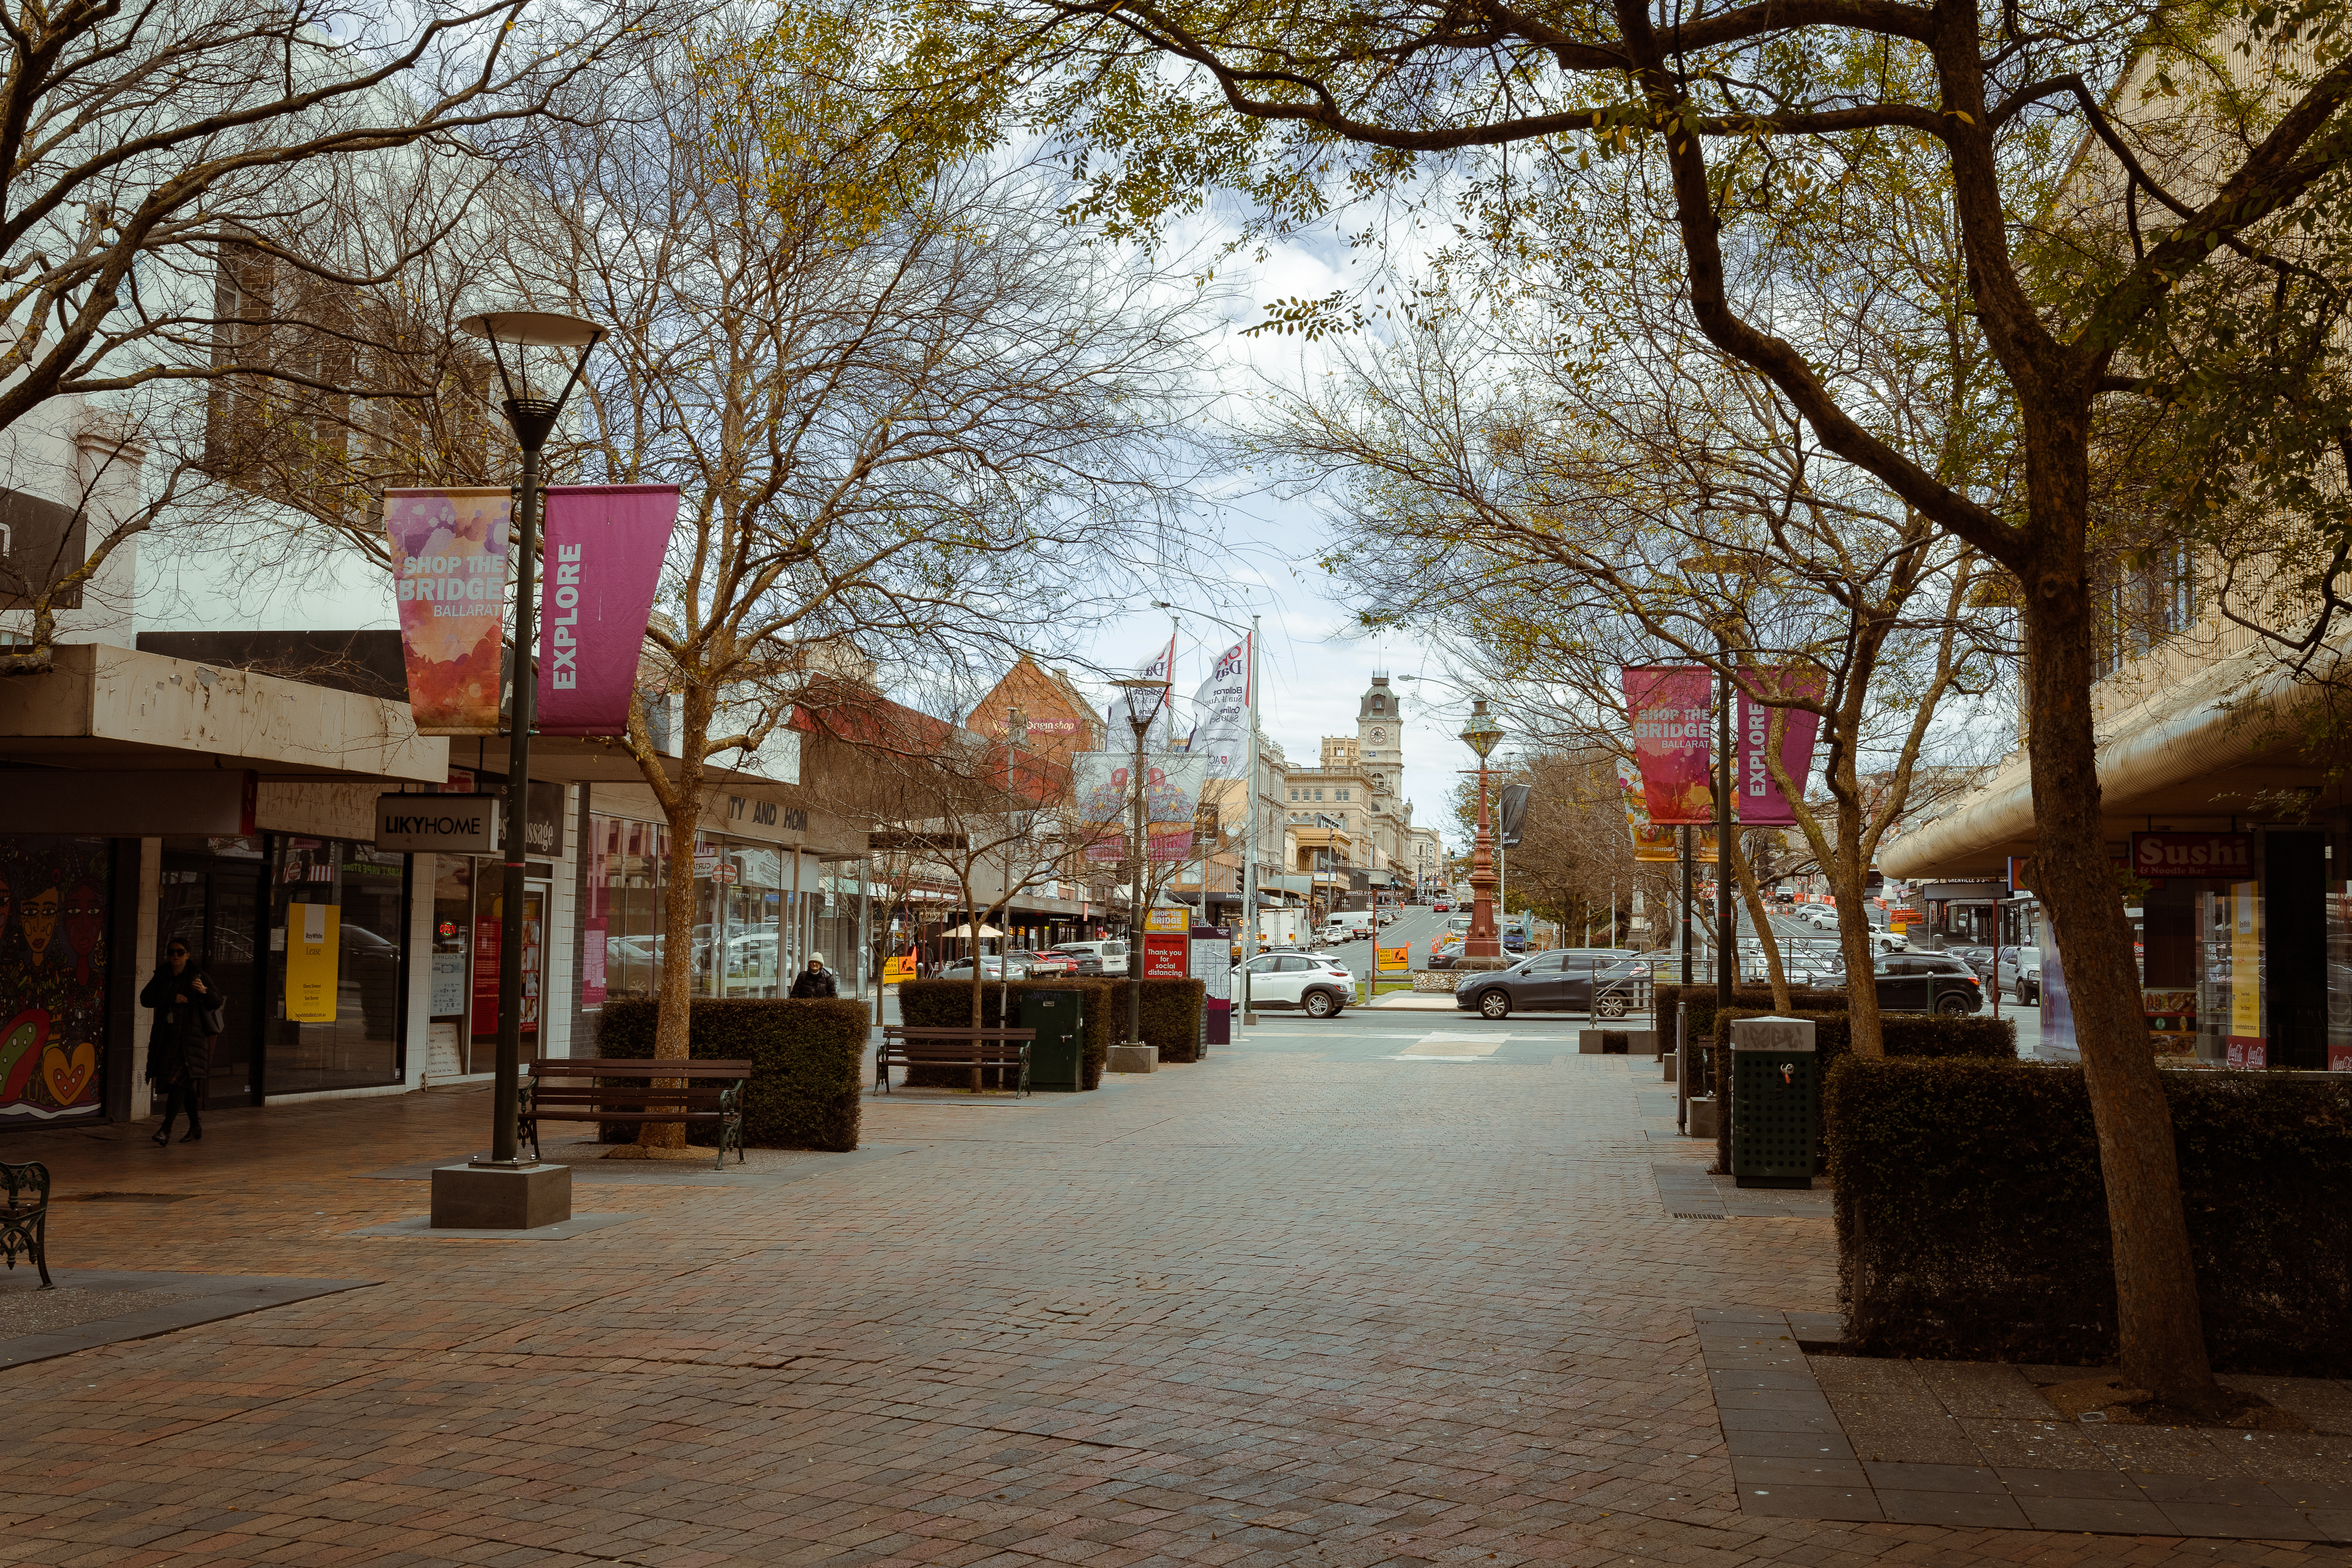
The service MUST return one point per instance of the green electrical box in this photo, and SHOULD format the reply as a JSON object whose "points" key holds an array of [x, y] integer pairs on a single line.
{"points": [[1772, 1099], [1058, 1057]]}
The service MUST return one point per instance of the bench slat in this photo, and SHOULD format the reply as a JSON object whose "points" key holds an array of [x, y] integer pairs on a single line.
{"points": [[595, 1067]]}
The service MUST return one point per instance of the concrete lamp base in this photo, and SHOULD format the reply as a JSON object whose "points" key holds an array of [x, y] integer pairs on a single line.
{"points": [[500, 1197], [1134, 1059]]}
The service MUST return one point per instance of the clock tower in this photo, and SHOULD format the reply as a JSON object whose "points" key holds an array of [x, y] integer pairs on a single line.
{"points": [[1379, 737]]}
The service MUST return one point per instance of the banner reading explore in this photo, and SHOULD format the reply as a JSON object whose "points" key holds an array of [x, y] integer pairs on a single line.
{"points": [[450, 576], [1759, 803], [606, 545]]}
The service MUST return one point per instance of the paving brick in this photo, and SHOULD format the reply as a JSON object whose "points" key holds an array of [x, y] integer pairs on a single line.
{"points": [[1274, 1307]]}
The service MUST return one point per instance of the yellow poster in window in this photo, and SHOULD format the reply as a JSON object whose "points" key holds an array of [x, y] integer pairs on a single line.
{"points": [[313, 943], [2245, 964]]}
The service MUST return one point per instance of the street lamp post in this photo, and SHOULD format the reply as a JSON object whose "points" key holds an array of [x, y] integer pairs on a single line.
{"points": [[1143, 700], [1481, 733], [520, 340]]}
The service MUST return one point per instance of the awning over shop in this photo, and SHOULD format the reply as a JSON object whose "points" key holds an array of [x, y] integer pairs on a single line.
{"points": [[2196, 753], [117, 708]]}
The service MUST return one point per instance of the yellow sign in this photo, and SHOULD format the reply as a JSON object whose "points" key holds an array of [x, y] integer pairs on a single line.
{"points": [[1179, 920], [313, 943], [1392, 960], [894, 970], [2245, 963]]}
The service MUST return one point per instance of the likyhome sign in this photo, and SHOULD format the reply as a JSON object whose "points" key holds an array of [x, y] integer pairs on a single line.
{"points": [[437, 824]]}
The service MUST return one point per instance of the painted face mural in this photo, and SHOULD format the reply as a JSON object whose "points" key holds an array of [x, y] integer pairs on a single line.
{"points": [[85, 919], [40, 919], [53, 973]]}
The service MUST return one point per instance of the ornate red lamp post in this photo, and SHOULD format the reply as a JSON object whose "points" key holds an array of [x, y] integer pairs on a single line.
{"points": [[1482, 734]]}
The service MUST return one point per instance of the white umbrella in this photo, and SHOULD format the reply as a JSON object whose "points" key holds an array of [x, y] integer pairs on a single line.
{"points": [[963, 933]]}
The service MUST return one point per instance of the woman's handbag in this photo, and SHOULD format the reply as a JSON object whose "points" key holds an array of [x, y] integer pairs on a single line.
{"points": [[215, 1017]]}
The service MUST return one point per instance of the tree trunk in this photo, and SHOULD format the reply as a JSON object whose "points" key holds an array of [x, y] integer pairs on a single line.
{"points": [[2158, 1314], [1773, 970], [1848, 874], [684, 813]]}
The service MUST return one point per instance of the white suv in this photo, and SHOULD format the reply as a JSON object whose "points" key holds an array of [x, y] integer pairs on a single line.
{"points": [[1318, 985]]}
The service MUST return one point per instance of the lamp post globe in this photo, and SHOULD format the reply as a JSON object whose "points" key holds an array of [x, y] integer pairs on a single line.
{"points": [[1482, 947], [540, 357]]}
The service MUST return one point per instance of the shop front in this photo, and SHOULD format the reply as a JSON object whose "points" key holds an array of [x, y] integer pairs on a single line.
{"points": [[760, 909]]}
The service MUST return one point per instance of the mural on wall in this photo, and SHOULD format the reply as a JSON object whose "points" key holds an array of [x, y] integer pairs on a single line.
{"points": [[53, 968]]}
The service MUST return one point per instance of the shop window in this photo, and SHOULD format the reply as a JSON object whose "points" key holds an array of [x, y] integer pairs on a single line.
{"points": [[336, 935]]}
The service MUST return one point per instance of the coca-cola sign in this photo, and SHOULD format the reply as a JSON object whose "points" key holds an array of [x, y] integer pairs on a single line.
{"points": [[2226, 855]]}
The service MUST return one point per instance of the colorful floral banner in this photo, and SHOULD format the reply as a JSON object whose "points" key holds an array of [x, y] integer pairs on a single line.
{"points": [[450, 576]]}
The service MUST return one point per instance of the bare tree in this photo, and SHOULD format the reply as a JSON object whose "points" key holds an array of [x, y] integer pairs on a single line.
{"points": [[913, 433], [1550, 519], [157, 154]]}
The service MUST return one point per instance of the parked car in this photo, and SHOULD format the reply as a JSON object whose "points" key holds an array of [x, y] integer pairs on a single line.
{"points": [[1316, 984], [1926, 983], [991, 969], [1109, 957], [2025, 964], [1444, 949], [1050, 963], [1604, 980]]}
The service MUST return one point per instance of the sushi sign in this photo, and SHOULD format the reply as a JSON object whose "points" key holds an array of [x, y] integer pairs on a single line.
{"points": [[2158, 855]]}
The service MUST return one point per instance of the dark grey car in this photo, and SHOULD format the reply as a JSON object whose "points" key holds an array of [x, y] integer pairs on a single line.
{"points": [[1608, 983]]}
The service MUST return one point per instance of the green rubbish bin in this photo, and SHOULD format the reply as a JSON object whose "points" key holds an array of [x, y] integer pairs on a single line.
{"points": [[1773, 1101], [1058, 1057]]}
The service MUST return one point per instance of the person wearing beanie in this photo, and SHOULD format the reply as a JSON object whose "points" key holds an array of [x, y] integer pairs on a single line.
{"points": [[816, 980]]}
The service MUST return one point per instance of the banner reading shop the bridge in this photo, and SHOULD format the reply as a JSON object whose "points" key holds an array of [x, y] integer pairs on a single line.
{"points": [[450, 576], [606, 545], [1669, 706]]}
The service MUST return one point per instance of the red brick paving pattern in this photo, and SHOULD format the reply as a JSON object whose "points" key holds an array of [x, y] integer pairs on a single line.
{"points": [[1268, 1309]]}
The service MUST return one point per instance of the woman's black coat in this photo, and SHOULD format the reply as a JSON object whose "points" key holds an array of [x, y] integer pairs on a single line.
{"points": [[816, 983], [179, 1051]]}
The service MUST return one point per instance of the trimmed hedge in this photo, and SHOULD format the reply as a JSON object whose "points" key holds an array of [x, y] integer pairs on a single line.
{"points": [[1937, 1035], [1171, 1017], [1700, 997], [947, 1004], [1972, 1219], [808, 1062]]}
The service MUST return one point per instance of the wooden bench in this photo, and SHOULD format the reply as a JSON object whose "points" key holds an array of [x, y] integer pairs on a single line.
{"points": [[564, 1089], [911, 1046], [24, 1216]]}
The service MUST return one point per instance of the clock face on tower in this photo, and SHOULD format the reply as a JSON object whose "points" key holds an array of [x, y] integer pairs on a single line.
{"points": [[1380, 734]]}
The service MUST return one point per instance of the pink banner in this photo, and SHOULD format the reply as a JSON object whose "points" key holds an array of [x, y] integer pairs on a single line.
{"points": [[1668, 705], [605, 548], [1759, 803], [449, 577]]}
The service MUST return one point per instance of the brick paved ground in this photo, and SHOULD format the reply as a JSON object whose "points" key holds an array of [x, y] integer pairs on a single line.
{"points": [[1285, 1306]]}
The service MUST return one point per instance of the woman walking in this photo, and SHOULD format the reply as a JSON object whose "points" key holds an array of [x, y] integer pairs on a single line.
{"points": [[179, 1051]]}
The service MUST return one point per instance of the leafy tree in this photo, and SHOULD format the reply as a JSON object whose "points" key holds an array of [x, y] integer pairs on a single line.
{"points": [[1747, 116]]}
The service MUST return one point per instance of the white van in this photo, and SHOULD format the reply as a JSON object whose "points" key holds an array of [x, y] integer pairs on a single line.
{"points": [[1096, 957]]}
